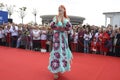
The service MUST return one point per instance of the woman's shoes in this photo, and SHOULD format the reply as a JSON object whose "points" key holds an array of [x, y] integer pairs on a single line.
{"points": [[56, 76]]}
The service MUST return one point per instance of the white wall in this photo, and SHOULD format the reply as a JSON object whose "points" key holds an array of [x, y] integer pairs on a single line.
{"points": [[116, 20]]}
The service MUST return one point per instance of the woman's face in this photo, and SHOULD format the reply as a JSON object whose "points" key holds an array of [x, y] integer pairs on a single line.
{"points": [[118, 31], [104, 30], [61, 11], [100, 30]]}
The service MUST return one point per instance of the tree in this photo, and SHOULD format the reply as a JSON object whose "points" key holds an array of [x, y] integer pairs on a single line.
{"points": [[21, 12], [10, 10], [35, 14], [1, 6]]}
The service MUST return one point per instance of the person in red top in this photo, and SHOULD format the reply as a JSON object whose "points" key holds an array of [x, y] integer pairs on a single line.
{"points": [[43, 38], [8, 35], [94, 45], [104, 39], [100, 36]]}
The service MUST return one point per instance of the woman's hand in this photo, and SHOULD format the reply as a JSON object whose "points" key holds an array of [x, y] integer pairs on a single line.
{"points": [[61, 29]]}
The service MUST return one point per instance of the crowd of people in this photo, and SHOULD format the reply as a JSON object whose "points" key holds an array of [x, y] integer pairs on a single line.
{"points": [[96, 40], [84, 39]]}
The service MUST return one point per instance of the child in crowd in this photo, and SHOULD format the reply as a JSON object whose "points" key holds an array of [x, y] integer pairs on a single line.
{"points": [[94, 45]]}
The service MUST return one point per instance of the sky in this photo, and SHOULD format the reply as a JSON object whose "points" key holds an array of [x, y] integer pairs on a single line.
{"points": [[91, 10]]}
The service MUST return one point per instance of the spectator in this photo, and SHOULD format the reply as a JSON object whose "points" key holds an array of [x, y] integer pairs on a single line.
{"points": [[117, 49], [8, 35], [49, 39], [2, 37], [87, 37], [80, 40], [14, 34], [100, 36], [75, 41], [43, 38], [36, 38], [23, 41], [104, 42]]}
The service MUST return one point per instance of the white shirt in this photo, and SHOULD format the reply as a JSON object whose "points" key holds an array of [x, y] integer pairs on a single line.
{"points": [[14, 32], [43, 35], [96, 35], [7, 31], [76, 38], [87, 36], [36, 34], [1, 33]]}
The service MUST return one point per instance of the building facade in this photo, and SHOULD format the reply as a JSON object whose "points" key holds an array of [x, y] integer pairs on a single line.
{"points": [[114, 18], [75, 20]]}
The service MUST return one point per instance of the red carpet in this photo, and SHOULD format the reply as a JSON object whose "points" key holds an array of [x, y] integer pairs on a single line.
{"points": [[18, 64]]}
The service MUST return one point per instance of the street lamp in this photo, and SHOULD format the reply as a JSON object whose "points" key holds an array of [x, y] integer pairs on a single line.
{"points": [[35, 14]]}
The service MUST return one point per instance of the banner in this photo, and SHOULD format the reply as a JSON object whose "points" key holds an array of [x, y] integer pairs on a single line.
{"points": [[3, 17]]}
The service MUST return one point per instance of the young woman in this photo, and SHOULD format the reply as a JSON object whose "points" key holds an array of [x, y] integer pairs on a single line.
{"points": [[43, 38], [87, 37], [104, 37], [14, 34], [36, 38], [8, 35], [75, 41], [105, 40], [49, 40], [60, 55], [80, 40], [96, 36], [100, 37], [23, 41]]}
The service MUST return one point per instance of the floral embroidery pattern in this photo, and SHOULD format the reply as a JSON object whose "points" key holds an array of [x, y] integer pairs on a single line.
{"points": [[57, 40], [63, 53], [55, 64], [56, 46], [57, 54], [56, 35], [53, 25], [64, 63]]}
